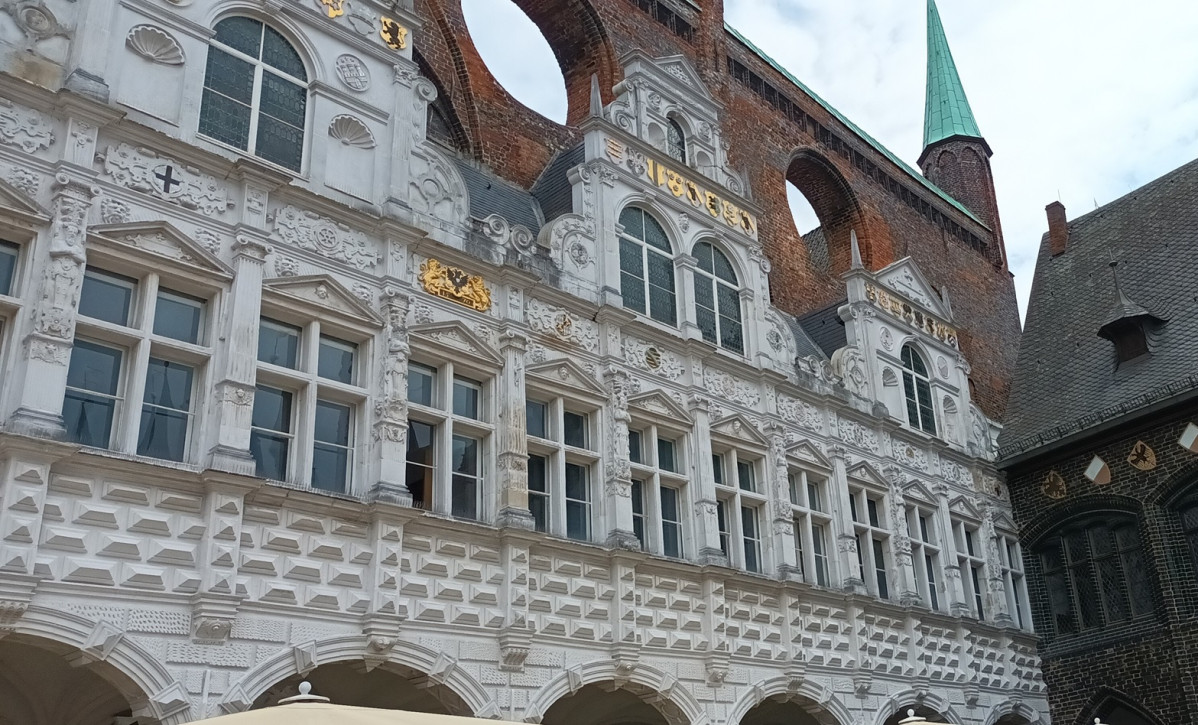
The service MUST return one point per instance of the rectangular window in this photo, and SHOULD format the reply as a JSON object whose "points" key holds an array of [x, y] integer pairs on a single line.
{"points": [[166, 410], [872, 507], [574, 429], [578, 503], [880, 569], [665, 456], [671, 522], [421, 383], [819, 549], [536, 416], [278, 344], [466, 394], [421, 463], [93, 381], [638, 512], [752, 539], [745, 477], [106, 296], [335, 359], [9, 253], [930, 568], [635, 447], [270, 434], [978, 596], [721, 514], [538, 491], [179, 316], [813, 498], [464, 489], [331, 455], [717, 465]]}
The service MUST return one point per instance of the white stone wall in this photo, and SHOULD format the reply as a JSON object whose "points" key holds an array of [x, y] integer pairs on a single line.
{"points": [[206, 586]]}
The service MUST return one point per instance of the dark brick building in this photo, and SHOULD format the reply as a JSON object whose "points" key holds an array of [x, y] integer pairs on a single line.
{"points": [[1101, 452]]}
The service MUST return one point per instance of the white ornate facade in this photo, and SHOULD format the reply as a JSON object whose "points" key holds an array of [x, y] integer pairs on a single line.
{"points": [[729, 528]]}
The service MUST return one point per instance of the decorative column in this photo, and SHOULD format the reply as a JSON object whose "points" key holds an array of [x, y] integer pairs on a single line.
{"points": [[684, 285], [996, 596], [512, 435], [782, 517], [617, 488], [900, 540], [948, 549], [237, 360], [391, 408], [707, 523], [842, 520], [47, 347]]}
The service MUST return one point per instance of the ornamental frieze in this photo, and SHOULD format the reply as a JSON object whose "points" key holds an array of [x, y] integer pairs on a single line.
{"points": [[892, 305]]}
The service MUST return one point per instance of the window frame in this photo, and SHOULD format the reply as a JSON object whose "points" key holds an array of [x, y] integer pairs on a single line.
{"points": [[734, 500], [652, 479], [923, 527], [646, 249], [677, 149], [559, 455], [913, 383], [713, 281], [971, 561], [1010, 553], [872, 529]]}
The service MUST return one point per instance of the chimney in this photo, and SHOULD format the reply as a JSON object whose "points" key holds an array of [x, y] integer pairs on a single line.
{"points": [[1058, 227]]}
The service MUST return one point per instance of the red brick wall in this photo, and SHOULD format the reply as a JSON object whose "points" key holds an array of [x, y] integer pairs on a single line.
{"points": [[855, 186]]}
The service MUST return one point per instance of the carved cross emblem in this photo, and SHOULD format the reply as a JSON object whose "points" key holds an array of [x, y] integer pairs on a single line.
{"points": [[1142, 456], [393, 34], [165, 173]]}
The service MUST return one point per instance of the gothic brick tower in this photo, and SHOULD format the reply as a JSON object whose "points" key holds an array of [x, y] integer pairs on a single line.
{"points": [[955, 156]]}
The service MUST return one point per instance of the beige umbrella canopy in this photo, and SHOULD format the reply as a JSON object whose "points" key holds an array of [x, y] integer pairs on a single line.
{"points": [[309, 709]]}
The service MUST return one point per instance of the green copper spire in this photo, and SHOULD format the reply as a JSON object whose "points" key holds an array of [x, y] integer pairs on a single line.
{"points": [[948, 113]]}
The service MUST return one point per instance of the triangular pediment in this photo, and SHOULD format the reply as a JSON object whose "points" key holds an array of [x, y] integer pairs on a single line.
{"points": [[806, 451], [964, 507], [659, 404], [867, 474], [566, 373], [454, 338], [324, 293], [739, 427], [677, 66], [14, 201], [162, 240], [916, 490], [905, 279], [1003, 522]]}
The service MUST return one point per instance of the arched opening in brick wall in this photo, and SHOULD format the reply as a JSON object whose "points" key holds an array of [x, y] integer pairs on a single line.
{"points": [[40, 686], [389, 686], [784, 711], [606, 703], [517, 55], [1117, 709], [923, 711], [818, 193]]}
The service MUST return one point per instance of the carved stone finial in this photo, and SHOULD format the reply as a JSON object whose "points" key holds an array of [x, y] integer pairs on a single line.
{"points": [[596, 97], [857, 263]]}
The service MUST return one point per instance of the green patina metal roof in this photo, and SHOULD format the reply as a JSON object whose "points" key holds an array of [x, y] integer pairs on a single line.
{"points": [[852, 126], [948, 113]]}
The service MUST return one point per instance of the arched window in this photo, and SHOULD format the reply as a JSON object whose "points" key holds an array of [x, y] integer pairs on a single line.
{"points": [[1095, 574], [675, 141], [647, 267], [918, 390], [717, 299], [255, 92]]}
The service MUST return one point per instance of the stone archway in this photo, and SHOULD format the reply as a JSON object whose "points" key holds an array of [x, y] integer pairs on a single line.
{"points": [[49, 683], [923, 711], [784, 711], [607, 704], [390, 687]]}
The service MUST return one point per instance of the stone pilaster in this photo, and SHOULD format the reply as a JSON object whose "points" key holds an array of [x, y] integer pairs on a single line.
{"points": [[391, 407], [846, 540], [236, 361], [617, 487], [954, 591], [47, 346], [511, 456], [900, 541], [782, 531], [996, 594], [707, 525]]}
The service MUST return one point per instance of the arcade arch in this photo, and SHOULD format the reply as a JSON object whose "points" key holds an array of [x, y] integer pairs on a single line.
{"points": [[818, 192], [41, 685], [609, 704], [390, 686]]}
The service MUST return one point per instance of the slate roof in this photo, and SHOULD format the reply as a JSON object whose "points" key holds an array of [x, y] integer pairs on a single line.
{"points": [[553, 189], [490, 194], [1066, 380], [825, 328]]}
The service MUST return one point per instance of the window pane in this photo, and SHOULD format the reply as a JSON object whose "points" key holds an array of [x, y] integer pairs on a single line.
{"points": [[633, 221], [270, 455], [420, 462], [94, 368], [280, 142], [538, 489], [814, 500], [661, 271], [244, 34], [333, 422], [578, 521], [635, 449], [272, 409], [638, 511], [536, 416], [106, 296], [163, 434], [632, 290], [538, 479], [731, 335], [721, 522], [283, 100], [669, 504], [168, 384], [576, 482], [178, 316], [926, 414], [632, 259], [662, 306], [465, 455], [729, 301], [330, 468], [278, 53], [465, 398], [420, 384], [464, 504], [880, 568], [278, 344], [705, 318], [224, 119], [717, 467], [872, 507], [229, 76], [744, 476], [574, 429], [704, 292], [88, 418], [8, 266], [665, 455], [335, 359], [655, 236], [723, 268], [748, 518]]}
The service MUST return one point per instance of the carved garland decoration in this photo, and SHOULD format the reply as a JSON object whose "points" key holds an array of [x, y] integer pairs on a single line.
{"points": [[455, 285]]}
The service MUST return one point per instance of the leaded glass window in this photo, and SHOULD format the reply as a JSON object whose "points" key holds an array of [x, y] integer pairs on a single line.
{"points": [[647, 267], [255, 92], [717, 299], [917, 388], [675, 141]]}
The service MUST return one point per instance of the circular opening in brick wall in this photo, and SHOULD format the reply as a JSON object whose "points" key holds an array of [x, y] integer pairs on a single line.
{"points": [[517, 55]]}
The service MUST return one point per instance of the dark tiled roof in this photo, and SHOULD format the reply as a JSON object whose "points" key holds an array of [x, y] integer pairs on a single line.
{"points": [[826, 329], [491, 195], [553, 189], [817, 248], [1067, 380]]}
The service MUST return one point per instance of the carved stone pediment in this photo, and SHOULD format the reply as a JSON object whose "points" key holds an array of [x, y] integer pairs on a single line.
{"points": [[916, 491], [454, 338], [806, 451], [161, 240], [962, 506], [905, 279], [740, 428], [658, 404], [566, 373], [867, 474], [13, 200], [322, 292]]}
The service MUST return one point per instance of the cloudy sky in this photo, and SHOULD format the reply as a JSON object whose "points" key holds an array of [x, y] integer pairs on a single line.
{"points": [[1081, 100]]}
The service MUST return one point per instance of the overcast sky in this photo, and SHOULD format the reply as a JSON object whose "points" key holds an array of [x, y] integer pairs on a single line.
{"points": [[1081, 100]]}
